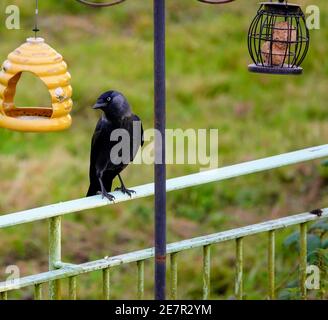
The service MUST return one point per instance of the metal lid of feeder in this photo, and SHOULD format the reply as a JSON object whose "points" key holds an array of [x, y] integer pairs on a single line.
{"points": [[278, 39]]}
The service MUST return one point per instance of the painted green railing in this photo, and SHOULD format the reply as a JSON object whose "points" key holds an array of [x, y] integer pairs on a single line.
{"points": [[58, 270]]}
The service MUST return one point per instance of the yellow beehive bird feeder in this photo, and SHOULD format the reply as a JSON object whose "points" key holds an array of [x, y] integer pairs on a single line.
{"points": [[37, 57]]}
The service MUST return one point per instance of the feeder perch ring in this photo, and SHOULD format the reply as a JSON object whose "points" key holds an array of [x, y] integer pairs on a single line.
{"points": [[100, 4], [216, 1]]}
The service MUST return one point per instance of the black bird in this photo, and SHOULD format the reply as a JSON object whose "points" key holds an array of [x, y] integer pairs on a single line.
{"points": [[317, 212], [111, 152]]}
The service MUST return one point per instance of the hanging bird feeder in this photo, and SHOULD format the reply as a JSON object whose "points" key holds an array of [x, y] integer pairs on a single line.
{"points": [[37, 57], [278, 39]]}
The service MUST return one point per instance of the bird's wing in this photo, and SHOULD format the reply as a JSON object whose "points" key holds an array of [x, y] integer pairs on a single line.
{"points": [[137, 136], [96, 138], [107, 153], [95, 147], [100, 157], [142, 141], [99, 145]]}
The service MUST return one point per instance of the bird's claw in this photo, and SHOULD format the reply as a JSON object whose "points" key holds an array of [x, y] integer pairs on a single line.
{"points": [[125, 191], [107, 196]]}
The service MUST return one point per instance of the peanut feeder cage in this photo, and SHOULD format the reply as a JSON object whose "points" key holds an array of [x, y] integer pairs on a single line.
{"points": [[37, 57], [278, 39]]}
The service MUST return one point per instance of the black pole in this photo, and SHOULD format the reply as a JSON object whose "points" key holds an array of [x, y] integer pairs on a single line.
{"points": [[159, 125], [160, 166]]}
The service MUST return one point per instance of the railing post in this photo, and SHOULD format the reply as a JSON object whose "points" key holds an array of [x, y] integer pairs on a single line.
{"points": [[72, 291], [38, 292], [303, 259], [3, 295], [271, 264], [141, 279], [54, 255], [239, 269], [206, 272], [106, 283], [174, 276]]}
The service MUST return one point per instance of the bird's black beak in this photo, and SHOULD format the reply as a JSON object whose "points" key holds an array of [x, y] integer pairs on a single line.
{"points": [[99, 106]]}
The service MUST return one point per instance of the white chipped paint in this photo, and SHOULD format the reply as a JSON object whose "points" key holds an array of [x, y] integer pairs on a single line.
{"points": [[59, 92], [35, 40], [31, 118], [7, 65]]}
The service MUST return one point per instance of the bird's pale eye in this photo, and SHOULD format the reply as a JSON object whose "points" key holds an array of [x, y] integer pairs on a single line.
{"points": [[109, 99]]}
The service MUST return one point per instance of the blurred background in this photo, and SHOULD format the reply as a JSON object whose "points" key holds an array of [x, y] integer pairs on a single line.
{"points": [[208, 87]]}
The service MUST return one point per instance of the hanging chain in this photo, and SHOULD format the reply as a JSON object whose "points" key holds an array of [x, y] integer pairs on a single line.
{"points": [[36, 27]]}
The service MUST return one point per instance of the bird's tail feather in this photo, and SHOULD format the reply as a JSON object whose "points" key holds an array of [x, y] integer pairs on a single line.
{"points": [[92, 190], [95, 186]]}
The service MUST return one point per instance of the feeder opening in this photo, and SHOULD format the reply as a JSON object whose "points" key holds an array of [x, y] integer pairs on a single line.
{"points": [[26, 84], [25, 96]]}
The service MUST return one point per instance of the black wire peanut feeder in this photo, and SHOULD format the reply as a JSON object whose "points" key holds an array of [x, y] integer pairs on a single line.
{"points": [[278, 39]]}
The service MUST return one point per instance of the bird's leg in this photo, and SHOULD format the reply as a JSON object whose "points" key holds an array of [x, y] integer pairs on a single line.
{"points": [[123, 189], [104, 193]]}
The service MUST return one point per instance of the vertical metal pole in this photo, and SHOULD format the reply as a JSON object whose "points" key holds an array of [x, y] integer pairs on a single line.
{"points": [[160, 166]]}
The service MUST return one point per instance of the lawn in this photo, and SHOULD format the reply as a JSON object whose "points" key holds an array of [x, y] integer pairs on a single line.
{"points": [[208, 86]]}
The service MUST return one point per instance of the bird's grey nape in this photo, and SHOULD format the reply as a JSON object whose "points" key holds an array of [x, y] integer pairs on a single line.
{"points": [[119, 100], [122, 105]]}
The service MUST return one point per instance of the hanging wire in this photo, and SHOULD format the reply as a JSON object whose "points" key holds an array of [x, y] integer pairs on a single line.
{"points": [[36, 25]]}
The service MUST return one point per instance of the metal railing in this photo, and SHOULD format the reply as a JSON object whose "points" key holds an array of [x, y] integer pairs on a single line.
{"points": [[59, 270]]}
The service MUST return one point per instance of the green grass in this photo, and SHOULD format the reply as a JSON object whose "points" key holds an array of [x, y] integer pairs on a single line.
{"points": [[208, 87]]}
